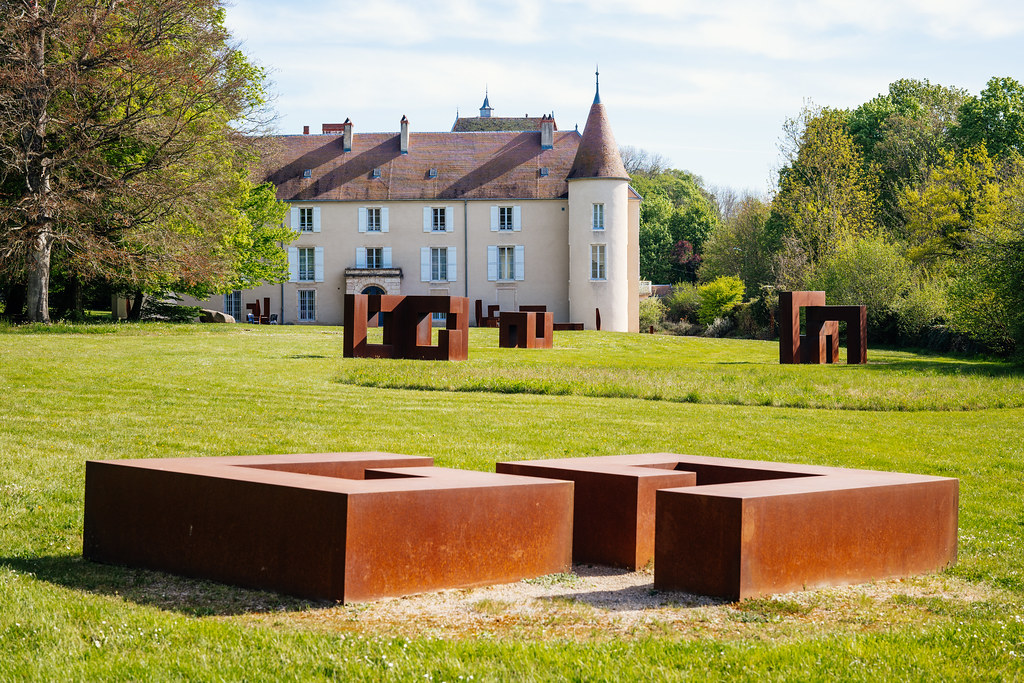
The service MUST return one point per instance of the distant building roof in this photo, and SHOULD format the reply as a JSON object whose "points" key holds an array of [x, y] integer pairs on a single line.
{"points": [[466, 124], [469, 165]]}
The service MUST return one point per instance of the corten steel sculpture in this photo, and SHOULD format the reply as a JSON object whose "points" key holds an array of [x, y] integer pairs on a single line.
{"points": [[613, 504], [342, 526], [489, 320], [748, 528], [407, 323], [526, 330], [821, 343]]}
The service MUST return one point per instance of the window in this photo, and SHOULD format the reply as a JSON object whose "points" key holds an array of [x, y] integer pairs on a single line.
{"points": [[544, 171], [598, 216], [439, 263], [373, 220], [506, 263], [307, 305], [307, 264], [375, 173], [374, 257], [306, 219], [437, 220], [432, 173], [505, 221], [233, 304], [307, 173], [597, 261]]}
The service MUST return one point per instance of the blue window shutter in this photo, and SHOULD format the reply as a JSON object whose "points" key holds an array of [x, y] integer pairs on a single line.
{"points": [[453, 265], [316, 219], [384, 219], [449, 219], [318, 264], [492, 263], [360, 257], [494, 219], [386, 257], [424, 264], [295, 218], [520, 262], [517, 218], [362, 219], [293, 263], [426, 219]]}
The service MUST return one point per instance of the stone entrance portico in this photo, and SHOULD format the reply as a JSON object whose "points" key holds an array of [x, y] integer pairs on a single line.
{"points": [[388, 279]]}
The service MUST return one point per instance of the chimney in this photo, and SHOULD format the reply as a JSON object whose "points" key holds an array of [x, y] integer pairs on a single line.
{"points": [[547, 132], [305, 130], [404, 138], [346, 136]]}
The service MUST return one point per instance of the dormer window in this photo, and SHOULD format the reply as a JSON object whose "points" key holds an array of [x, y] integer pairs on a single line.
{"points": [[307, 173], [375, 173], [544, 171], [432, 173]]}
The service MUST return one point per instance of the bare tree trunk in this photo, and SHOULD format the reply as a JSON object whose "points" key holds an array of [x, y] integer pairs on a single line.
{"points": [[135, 307]]}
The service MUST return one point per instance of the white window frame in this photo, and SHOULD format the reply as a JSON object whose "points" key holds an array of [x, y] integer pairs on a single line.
{"points": [[598, 217], [500, 268], [305, 313], [438, 222], [373, 219], [306, 264], [439, 264], [305, 219], [506, 263], [598, 262], [374, 257]]}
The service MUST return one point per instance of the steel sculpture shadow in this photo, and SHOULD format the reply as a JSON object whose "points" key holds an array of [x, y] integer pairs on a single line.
{"points": [[341, 526], [743, 528], [408, 324], [821, 342]]}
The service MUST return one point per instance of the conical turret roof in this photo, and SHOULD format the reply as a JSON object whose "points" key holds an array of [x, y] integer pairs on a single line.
{"points": [[598, 154]]}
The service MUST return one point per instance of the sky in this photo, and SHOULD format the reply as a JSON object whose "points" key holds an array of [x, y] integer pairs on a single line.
{"points": [[708, 85]]}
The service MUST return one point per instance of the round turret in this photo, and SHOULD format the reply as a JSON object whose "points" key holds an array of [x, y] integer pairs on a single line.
{"points": [[599, 229]]}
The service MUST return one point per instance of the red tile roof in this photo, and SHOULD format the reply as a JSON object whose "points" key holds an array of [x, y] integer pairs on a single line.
{"points": [[487, 165], [598, 155]]}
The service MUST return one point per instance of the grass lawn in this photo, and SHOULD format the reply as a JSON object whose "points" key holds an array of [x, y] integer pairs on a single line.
{"points": [[70, 394]]}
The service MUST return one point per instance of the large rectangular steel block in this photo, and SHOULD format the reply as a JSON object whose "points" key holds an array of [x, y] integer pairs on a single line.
{"points": [[347, 526]]}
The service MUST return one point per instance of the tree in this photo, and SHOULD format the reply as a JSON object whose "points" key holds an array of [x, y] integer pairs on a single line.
{"points": [[742, 246], [995, 118], [718, 297], [121, 142], [642, 162], [825, 195]]}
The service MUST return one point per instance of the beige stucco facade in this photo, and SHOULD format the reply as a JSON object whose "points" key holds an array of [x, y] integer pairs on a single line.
{"points": [[540, 275]]}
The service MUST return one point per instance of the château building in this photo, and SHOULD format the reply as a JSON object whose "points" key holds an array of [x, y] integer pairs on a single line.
{"points": [[507, 210]]}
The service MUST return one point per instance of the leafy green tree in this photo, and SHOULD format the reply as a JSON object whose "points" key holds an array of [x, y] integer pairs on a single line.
{"points": [[962, 196], [742, 246], [718, 297], [901, 135], [868, 271], [825, 195], [121, 142], [995, 118]]}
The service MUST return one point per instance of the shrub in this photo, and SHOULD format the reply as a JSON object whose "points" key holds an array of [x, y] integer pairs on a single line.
{"points": [[719, 297], [923, 306], [719, 327], [652, 312], [864, 272], [684, 302]]}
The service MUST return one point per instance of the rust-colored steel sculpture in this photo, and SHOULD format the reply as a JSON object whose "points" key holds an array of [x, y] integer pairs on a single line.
{"points": [[342, 526], [407, 323], [613, 503], [749, 528], [821, 343], [489, 320], [526, 330], [856, 319]]}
